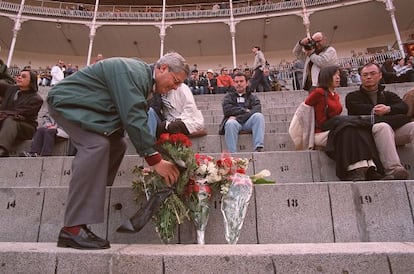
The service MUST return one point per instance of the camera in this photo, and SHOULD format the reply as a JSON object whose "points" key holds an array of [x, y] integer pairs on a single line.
{"points": [[310, 45]]}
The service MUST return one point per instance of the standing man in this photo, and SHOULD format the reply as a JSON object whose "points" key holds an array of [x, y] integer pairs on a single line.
{"points": [[95, 106], [388, 107], [242, 111], [316, 53], [259, 65], [57, 73]]}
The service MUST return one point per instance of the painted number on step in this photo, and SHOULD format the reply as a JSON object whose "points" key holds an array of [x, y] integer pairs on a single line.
{"points": [[66, 172], [11, 204], [292, 203], [19, 174], [284, 168], [366, 199]]}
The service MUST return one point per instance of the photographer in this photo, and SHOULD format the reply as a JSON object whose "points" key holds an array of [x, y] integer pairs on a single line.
{"points": [[316, 53]]}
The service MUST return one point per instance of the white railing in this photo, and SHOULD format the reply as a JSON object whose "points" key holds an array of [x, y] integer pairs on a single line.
{"points": [[191, 12]]}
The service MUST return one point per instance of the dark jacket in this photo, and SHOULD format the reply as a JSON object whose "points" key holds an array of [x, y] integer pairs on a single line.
{"points": [[359, 103], [26, 106], [232, 108]]}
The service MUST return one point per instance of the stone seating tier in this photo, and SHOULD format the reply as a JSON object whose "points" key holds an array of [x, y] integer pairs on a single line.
{"points": [[308, 222]]}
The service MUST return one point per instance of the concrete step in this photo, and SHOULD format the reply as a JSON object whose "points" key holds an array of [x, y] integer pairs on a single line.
{"points": [[285, 166], [375, 211], [367, 258]]}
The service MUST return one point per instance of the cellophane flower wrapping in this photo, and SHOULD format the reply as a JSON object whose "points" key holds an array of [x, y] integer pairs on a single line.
{"points": [[173, 211], [199, 206], [199, 193], [234, 206]]}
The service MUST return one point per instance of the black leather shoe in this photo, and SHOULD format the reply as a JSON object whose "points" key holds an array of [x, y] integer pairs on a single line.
{"points": [[86, 239], [356, 175], [373, 175], [3, 152]]}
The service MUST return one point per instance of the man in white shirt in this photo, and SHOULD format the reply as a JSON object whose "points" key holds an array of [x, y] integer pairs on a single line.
{"points": [[175, 112], [57, 73]]}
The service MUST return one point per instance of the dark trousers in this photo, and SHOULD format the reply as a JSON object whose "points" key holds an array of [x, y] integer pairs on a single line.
{"points": [[43, 141], [12, 130], [257, 79], [94, 167]]}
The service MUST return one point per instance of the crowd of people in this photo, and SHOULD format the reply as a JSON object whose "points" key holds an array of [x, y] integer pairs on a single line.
{"points": [[362, 143]]}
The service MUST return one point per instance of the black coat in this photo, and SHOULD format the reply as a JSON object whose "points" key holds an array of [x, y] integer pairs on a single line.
{"points": [[27, 104]]}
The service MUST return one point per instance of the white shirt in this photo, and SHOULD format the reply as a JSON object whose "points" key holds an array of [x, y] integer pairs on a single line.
{"points": [[184, 108], [57, 75]]}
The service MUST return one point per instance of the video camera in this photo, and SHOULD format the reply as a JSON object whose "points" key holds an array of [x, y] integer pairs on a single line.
{"points": [[310, 45]]}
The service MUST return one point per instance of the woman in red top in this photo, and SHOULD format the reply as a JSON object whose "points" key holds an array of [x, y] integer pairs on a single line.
{"points": [[350, 141]]}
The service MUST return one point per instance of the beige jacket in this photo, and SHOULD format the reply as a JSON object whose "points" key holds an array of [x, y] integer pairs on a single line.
{"points": [[302, 127]]}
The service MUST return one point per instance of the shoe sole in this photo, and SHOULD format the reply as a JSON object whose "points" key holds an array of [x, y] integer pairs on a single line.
{"points": [[67, 244]]}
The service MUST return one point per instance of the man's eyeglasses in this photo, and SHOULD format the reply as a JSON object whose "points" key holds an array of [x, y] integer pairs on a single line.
{"points": [[176, 80], [372, 73]]}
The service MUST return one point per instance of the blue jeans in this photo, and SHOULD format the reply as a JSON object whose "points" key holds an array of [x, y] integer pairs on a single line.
{"points": [[153, 121], [255, 124]]}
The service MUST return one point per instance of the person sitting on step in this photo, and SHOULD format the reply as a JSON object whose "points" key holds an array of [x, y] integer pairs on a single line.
{"points": [[242, 112], [348, 142], [19, 109], [175, 112], [45, 137]]}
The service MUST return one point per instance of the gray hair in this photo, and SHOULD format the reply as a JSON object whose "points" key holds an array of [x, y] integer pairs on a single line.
{"points": [[176, 63]]}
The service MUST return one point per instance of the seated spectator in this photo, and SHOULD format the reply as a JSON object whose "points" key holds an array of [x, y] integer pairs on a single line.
{"points": [[404, 72], [224, 81], [391, 126], [210, 83], [242, 111], [196, 83], [354, 77], [19, 108], [5, 76], [348, 143], [388, 73], [45, 137], [175, 112]]}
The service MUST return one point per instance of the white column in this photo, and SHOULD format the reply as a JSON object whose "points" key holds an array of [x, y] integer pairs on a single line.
{"points": [[305, 17], [17, 25], [92, 33], [162, 29], [389, 6], [233, 34]]}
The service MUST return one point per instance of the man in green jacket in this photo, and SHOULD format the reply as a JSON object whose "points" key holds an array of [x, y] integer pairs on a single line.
{"points": [[95, 106]]}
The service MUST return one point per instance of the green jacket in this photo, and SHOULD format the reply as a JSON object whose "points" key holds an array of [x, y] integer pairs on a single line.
{"points": [[108, 96]]}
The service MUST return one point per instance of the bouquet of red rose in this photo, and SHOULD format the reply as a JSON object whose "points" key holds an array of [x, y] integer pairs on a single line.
{"points": [[171, 208]]}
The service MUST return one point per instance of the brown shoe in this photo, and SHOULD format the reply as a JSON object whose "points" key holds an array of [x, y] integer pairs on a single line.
{"points": [[398, 173]]}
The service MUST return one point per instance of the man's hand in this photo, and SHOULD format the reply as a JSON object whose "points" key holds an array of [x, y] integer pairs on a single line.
{"points": [[381, 109], [168, 171]]}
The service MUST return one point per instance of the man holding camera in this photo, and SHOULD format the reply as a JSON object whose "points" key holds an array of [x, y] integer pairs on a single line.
{"points": [[316, 53]]}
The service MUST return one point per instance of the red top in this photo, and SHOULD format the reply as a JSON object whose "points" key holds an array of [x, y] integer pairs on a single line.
{"points": [[317, 99]]}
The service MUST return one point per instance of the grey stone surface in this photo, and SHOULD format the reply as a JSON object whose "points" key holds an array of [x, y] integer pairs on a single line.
{"points": [[293, 213], [53, 215], [410, 191], [20, 214], [122, 207], [52, 171], [215, 231], [206, 144], [20, 172], [267, 258], [323, 167], [285, 166], [125, 174], [372, 212]]}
